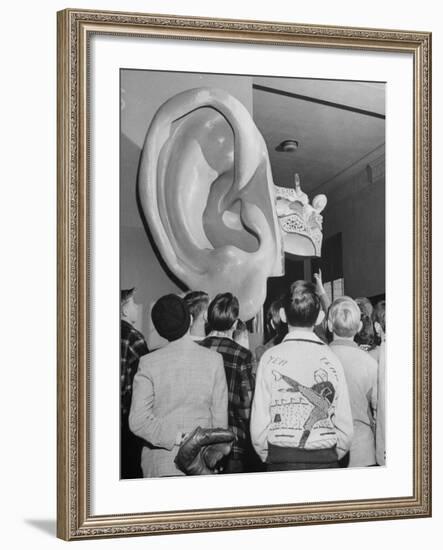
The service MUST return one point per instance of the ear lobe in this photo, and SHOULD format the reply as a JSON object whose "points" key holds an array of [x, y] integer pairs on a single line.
{"points": [[330, 327], [320, 317], [360, 326]]}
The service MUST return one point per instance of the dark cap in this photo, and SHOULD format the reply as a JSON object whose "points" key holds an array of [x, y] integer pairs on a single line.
{"points": [[170, 316]]}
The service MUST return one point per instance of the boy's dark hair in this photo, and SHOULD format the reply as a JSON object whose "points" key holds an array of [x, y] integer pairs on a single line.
{"points": [[197, 301], [366, 335], [223, 312], [273, 319], [301, 304], [379, 314], [275, 328]]}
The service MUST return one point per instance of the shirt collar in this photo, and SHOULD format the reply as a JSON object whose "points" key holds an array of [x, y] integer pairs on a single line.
{"points": [[343, 342], [195, 338], [221, 335]]}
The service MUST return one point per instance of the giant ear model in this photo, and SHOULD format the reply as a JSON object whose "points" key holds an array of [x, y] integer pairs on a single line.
{"points": [[206, 190]]}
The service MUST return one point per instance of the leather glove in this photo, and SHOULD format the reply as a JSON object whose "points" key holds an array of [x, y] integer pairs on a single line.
{"points": [[201, 451]]}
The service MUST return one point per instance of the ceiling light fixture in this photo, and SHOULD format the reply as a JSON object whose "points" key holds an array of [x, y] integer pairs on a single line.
{"points": [[287, 146]]}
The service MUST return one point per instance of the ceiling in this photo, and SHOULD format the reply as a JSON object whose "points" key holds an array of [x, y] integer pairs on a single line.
{"points": [[339, 126]]}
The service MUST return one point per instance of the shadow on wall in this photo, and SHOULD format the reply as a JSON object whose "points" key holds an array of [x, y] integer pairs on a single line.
{"points": [[360, 217], [48, 526]]}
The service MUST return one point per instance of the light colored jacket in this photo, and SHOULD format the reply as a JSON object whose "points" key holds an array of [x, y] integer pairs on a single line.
{"points": [[176, 388], [361, 376], [301, 398]]}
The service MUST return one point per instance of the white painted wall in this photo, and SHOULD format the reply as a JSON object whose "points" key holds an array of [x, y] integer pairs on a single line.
{"points": [[28, 274]]}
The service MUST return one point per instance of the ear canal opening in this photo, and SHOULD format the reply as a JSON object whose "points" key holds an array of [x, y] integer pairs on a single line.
{"points": [[248, 240]]}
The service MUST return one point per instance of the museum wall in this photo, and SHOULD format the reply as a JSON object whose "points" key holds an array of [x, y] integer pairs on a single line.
{"points": [[357, 211], [143, 92]]}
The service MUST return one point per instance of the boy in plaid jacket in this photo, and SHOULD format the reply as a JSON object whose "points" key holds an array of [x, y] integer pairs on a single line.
{"points": [[239, 365]]}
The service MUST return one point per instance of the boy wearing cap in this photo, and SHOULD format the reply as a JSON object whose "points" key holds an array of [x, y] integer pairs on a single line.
{"points": [[177, 388]]}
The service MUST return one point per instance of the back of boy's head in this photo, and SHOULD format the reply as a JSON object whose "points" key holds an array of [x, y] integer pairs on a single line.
{"points": [[241, 330], [345, 316], [241, 327], [365, 305], [379, 314], [126, 295], [366, 335], [197, 301], [273, 319], [301, 304], [223, 312]]}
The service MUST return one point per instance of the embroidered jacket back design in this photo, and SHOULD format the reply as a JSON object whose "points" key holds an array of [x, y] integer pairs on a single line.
{"points": [[301, 414], [301, 398]]}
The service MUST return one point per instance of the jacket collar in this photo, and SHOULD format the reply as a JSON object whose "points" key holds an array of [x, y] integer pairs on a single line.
{"points": [[303, 335], [185, 340], [343, 342]]}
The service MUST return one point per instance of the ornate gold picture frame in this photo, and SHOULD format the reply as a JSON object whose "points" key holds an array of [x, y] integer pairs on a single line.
{"points": [[75, 517]]}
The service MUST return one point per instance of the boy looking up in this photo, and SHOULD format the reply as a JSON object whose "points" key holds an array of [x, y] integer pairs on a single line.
{"points": [[361, 376], [301, 416], [239, 366]]}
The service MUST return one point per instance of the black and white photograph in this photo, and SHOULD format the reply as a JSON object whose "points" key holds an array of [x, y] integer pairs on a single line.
{"points": [[214, 213], [252, 274]]}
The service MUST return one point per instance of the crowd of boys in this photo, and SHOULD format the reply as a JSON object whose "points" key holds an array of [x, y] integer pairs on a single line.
{"points": [[311, 397]]}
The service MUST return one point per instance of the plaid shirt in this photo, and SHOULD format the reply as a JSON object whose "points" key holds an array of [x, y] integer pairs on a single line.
{"points": [[238, 363], [132, 348]]}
